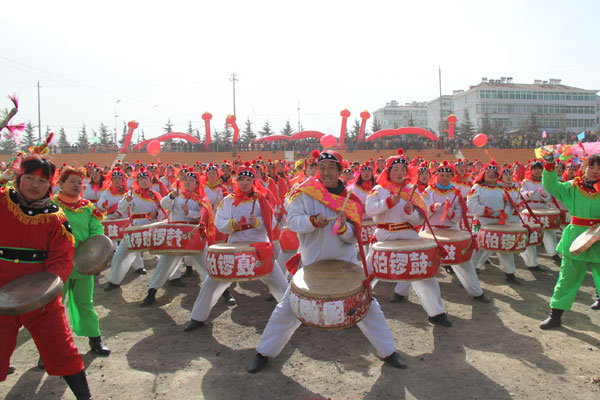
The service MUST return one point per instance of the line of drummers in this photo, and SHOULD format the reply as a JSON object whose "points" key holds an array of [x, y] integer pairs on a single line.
{"points": [[417, 217]]}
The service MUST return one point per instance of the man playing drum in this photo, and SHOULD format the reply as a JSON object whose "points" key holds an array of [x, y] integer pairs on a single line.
{"points": [[37, 237], [309, 218], [396, 219], [144, 206], [445, 207], [582, 198], [246, 216]]}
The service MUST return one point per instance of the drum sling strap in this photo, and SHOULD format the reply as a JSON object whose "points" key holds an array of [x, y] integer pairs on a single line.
{"points": [[535, 218]]}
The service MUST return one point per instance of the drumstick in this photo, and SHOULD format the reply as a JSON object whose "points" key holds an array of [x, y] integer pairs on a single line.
{"points": [[343, 207], [412, 193]]}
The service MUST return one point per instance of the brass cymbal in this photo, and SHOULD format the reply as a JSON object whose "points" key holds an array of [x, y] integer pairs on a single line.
{"points": [[585, 240]]}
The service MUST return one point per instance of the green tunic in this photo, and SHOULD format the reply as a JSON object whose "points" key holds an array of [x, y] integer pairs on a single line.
{"points": [[79, 289]]}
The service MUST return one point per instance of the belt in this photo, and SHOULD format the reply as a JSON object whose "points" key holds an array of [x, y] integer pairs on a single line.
{"points": [[22, 255], [140, 216], [584, 221], [397, 227]]}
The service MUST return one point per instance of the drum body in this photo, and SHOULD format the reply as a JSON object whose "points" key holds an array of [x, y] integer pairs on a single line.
{"points": [[235, 262], [165, 238], [536, 235], [461, 224], [367, 230], [458, 244], [405, 260], [329, 294], [288, 241], [507, 238], [550, 218], [115, 228], [29, 292], [93, 254]]}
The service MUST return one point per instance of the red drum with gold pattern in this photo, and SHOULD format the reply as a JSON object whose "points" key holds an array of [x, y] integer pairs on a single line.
{"points": [[507, 238], [405, 260], [458, 244], [114, 228], [235, 262], [329, 294]]}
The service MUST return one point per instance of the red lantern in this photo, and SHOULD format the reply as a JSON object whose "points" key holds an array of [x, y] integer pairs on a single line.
{"points": [[153, 148], [480, 140], [328, 141]]}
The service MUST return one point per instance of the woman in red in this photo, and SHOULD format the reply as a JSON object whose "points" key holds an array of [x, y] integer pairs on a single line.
{"points": [[38, 238]]}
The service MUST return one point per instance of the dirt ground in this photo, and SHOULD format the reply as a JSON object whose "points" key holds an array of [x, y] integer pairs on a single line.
{"points": [[493, 351]]}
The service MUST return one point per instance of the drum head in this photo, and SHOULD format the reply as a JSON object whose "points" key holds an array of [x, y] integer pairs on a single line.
{"points": [[325, 278], [585, 240], [29, 292], [542, 211], [508, 227], [231, 247], [405, 245], [93, 254], [447, 235]]}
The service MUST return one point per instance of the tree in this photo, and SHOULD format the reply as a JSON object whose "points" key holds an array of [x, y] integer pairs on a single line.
{"points": [[486, 125], [287, 129], [375, 125], [62, 139], [226, 134], [248, 134], [411, 122], [104, 137], [266, 130], [466, 127], [532, 124], [190, 129], [82, 140], [355, 131], [143, 138], [168, 127], [28, 138], [123, 134], [8, 144]]}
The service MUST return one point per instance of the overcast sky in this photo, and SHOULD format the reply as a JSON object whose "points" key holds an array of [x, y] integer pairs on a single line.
{"points": [[175, 59]]}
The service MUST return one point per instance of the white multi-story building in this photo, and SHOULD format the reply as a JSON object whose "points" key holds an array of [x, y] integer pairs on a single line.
{"points": [[393, 115], [433, 111]]}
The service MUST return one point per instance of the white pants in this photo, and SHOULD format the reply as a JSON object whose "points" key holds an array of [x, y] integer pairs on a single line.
{"points": [[211, 290], [530, 254], [507, 260], [168, 268], [428, 291], [283, 323], [465, 272], [121, 262]]}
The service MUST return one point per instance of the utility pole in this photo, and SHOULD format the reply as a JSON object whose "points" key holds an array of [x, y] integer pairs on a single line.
{"points": [[39, 116], [299, 126], [116, 116], [441, 111], [233, 79]]}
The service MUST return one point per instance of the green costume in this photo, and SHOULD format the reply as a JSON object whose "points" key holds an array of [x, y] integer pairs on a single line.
{"points": [[584, 203], [79, 289]]}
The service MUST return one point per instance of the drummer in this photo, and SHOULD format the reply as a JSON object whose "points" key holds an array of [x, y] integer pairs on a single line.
{"points": [[189, 205], [396, 219], [144, 206], [538, 198], [84, 219], [423, 178], [112, 194], [445, 207], [361, 187], [308, 217], [488, 203], [93, 189], [39, 230], [246, 216], [581, 196]]}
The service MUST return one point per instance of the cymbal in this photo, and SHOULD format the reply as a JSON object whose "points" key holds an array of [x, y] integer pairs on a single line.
{"points": [[93, 254], [585, 240]]}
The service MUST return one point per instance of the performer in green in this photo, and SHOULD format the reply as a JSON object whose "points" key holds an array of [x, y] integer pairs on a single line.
{"points": [[84, 219], [582, 198]]}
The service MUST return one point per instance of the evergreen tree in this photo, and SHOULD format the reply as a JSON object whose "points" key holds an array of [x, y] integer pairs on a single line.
{"points": [[62, 139], [287, 129], [411, 122], [141, 139], [375, 125], [28, 137], [197, 131], [355, 131], [532, 124], [104, 137], [226, 135], [266, 130], [248, 134], [486, 125], [466, 127], [168, 127], [82, 140], [123, 134]]}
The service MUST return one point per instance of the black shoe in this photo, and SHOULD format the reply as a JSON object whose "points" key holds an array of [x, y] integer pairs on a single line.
{"points": [[149, 299], [511, 278], [554, 320], [596, 305], [98, 346], [488, 262], [11, 369], [396, 298], [482, 298], [189, 271], [537, 268], [395, 361], [40, 363], [449, 269], [176, 282], [258, 363], [110, 286], [441, 319], [557, 259], [193, 324], [141, 271], [79, 386], [270, 298], [228, 297]]}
